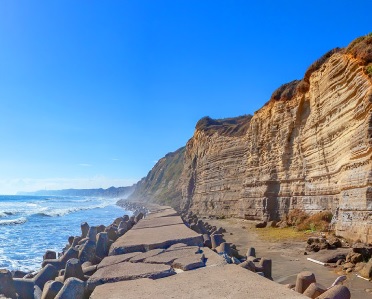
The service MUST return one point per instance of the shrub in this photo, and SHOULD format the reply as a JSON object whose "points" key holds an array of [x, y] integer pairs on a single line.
{"points": [[318, 63], [361, 48], [369, 70], [296, 216], [302, 221], [286, 91], [303, 86], [317, 222]]}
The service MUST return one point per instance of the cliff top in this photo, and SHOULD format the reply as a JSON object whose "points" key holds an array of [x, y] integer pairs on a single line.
{"points": [[360, 48], [234, 126]]}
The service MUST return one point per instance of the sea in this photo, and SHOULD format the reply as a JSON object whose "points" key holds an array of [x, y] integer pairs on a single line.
{"points": [[30, 225]]}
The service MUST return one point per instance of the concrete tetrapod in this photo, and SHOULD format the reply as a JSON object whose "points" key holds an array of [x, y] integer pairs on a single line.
{"points": [[25, 287], [6, 284], [61, 262], [51, 289], [103, 244], [73, 269], [304, 279], [336, 292], [73, 288], [314, 290]]}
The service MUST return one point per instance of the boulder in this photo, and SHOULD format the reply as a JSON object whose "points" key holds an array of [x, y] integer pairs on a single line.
{"points": [[261, 224], [354, 257], [367, 270]]}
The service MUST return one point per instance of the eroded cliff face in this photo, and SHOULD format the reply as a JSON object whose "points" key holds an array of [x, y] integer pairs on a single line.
{"points": [[309, 148]]}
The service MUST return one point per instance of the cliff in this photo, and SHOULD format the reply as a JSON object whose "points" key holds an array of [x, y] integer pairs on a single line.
{"points": [[162, 184], [111, 192], [308, 147]]}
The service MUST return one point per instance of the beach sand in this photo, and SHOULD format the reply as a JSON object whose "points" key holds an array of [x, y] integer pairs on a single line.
{"points": [[287, 256]]}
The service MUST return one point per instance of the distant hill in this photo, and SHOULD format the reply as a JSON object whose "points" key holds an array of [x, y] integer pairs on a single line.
{"points": [[112, 192]]}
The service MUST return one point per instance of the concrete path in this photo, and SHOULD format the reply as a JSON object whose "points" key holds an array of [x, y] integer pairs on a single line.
{"points": [[162, 258], [156, 232], [229, 281]]}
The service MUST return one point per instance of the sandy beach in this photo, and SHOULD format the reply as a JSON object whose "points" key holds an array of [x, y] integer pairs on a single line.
{"points": [[287, 256]]}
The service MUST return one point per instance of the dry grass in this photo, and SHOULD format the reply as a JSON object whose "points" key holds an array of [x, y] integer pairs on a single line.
{"points": [[317, 222], [361, 48], [302, 221], [369, 70], [282, 234]]}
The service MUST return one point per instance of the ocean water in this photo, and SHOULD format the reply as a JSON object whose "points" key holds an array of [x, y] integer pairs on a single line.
{"points": [[29, 225]]}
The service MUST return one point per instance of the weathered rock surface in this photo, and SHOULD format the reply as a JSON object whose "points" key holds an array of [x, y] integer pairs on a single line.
{"points": [[309, 147]]}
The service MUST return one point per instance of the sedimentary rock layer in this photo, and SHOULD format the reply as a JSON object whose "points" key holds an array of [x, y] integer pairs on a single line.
{"points": [[309, 147]]}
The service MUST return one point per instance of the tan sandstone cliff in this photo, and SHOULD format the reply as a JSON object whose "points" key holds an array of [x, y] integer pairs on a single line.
{"points": [[309, 147]]}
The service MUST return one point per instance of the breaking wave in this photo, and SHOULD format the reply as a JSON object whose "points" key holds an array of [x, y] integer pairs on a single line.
{"points": [[13, 221], [6, 214], [64, 212]]}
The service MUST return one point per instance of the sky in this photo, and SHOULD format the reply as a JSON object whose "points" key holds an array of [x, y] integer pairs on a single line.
{"points": [[93, 93]]}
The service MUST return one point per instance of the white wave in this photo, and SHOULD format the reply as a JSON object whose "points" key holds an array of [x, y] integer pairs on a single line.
{"points": [[13, 221], [62, 212], [6, 214]]}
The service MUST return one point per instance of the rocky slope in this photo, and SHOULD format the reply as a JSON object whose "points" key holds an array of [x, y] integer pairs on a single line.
{"points": [[309, 147], [162, 184]]}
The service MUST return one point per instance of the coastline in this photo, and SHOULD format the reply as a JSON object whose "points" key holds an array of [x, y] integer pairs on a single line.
{"points": [[32, 224], [175, 251]]}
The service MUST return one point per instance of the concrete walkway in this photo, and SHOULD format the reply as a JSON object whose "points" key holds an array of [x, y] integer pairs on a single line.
{"points": [[162, 258]]}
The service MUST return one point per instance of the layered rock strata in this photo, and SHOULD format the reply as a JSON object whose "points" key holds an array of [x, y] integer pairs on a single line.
{"points": [[312, 152], [309, 147]]}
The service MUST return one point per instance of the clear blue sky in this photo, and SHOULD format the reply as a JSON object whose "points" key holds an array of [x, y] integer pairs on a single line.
{"points": [[93, 93]]}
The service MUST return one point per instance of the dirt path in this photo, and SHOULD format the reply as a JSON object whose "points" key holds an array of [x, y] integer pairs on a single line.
{"points": [[288, 257]]}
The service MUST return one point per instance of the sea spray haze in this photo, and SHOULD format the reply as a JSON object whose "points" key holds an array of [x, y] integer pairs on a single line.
{"points": [[31, 224]]}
